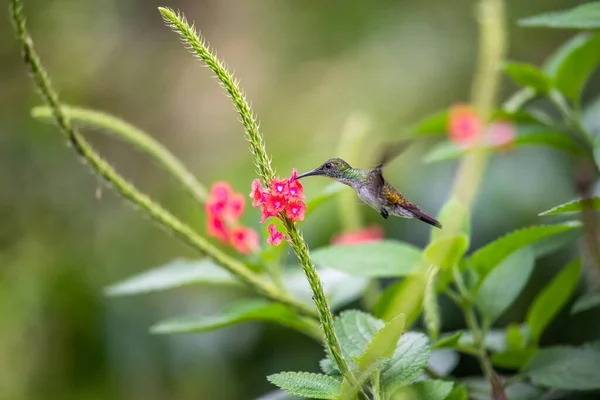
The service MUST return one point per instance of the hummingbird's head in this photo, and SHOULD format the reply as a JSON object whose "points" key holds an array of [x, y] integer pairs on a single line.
{"points": [[335, 168]]}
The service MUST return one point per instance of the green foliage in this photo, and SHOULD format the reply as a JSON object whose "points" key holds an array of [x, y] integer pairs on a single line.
{"points": [[424, 390], [176, 273], [431, 308], [566, 367], [455, 217], [586, 302], [403, 297], [240, 311], [433, 125], [504, 284], [573, 206], [383, 343], [446, 252], [305, 384], [326, 194], [389, 258], [585, 16], [409, 360], [529, 76], [574, 71], [552, 299], [448, 341], [486, 258]]}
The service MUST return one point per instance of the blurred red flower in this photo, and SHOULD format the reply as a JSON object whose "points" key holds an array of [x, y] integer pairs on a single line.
{"points": [[373, 233]]}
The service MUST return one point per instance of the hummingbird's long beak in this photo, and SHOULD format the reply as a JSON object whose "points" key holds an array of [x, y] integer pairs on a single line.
{"points": [[309, 173]]}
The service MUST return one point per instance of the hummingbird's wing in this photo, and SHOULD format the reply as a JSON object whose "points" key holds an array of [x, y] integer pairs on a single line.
{"points": [[390, 151]]}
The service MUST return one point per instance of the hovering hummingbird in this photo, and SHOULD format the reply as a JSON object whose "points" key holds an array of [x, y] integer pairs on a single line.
{"points": [[372, 188]]}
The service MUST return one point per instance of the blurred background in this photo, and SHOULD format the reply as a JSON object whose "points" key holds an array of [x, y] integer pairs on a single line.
{"points": [[312, 70]]}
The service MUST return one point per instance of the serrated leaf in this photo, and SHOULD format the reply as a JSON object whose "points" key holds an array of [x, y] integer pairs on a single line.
{"points": [[388, 258], [340, 288], [566, 367], [238, 312], [573, 206], [503, 285], [349, 391], [403, 297], [448, 341], [576, 68], [435, 124], [328, 367], [486, 258], [552, 299], [177, 273], [306, 384], [586, 302], [431, 310], [513, 358], [383, 343], [585, 16], [424, 390], [455, 217], [355, 330], [528, 75], [409, 360], [445, 253]]}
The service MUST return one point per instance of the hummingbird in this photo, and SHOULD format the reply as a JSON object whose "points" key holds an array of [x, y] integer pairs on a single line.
{"points": [[372, 188]]}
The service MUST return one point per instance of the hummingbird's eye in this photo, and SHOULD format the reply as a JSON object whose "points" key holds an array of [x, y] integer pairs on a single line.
{"points": [[328, 165]]}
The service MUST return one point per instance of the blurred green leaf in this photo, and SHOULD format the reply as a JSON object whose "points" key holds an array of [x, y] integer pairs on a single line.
{"points": [[306, 384], [404, 297], [443, 361], [431, 309], [455, 218], [586, 302], [503, 285], [513, 358], [487, 257], [597, 150], [585, 16], [525, 117], [553, 62], [479, 389], [577, 66], [514, 337], [177, 273], [552, 298], [240, 311], [424, 390], [566, 367], [435, 124], [409, 360], [445, 253], [383, 343], [528, 75], [328, 193], [448, 341], [458, 392], [590, 117], [572, 206], [340, 287], [444, 151], [388, 258]]}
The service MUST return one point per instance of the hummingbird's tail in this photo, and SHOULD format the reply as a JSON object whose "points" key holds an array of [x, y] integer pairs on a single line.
{"points": [[418, 214]]}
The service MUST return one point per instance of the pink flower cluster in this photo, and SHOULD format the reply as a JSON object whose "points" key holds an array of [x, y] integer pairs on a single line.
{"points": [[373, 233], [224, 209], [465, 127], [283, 197]]}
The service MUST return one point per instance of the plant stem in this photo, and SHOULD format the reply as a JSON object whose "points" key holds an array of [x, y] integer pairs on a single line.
{"points": [[105, 170], [135, 136], [585, 181]]}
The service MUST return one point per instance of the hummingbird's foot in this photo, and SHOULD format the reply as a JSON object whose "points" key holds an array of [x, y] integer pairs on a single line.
{"points": [[384, 213]]}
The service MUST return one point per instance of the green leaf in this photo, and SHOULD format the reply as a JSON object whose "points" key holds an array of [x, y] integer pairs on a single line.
{"points": [[355, 330], [445, 253], [573, 206], [566, 367], [328, 193], [455, 218], [513, 358], [431, 309], [532, 135], [552, 298], [553, 62], [177, 273], [403, 297], [409, 360], [486, 258], [306, 384], [528, 75], [590, 117], [424, 390], [585, 16], [436, 124], [383, 343], [576, 68], [240, 311], [388, 258], [340, 287], [597, 150], [459, 392], [480, 389], [445, 151], [448, 341], [586, 302], [514, 337], [503, 285]]}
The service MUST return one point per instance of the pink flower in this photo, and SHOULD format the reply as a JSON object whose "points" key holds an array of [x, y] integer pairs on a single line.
{"points": [[235, 206], [257, 194], [295, 210], [502, 134], [244, 239], [373, 233], [296, 190], [279, 187], [220, 191], [217, 228], [275, 237], [464, 124]]}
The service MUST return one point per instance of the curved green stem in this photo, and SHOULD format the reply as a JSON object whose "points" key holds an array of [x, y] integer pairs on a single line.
{"points": [[152, 209], [136, 137]]}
